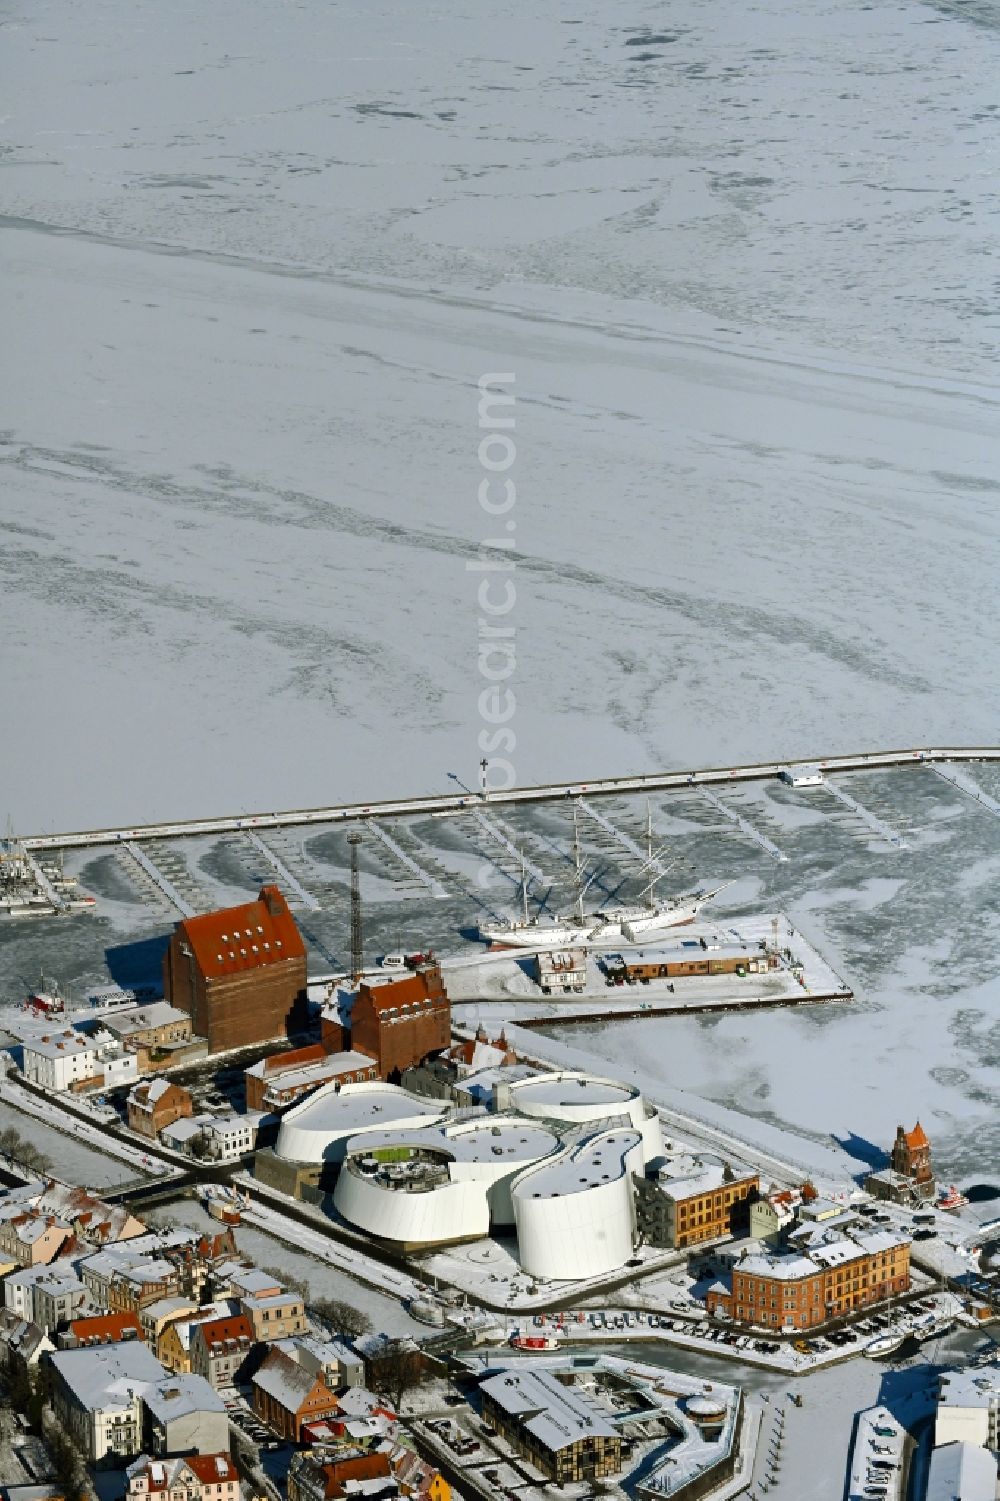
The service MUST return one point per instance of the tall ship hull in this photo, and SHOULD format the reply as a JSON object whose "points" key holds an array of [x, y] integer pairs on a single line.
{"points": [[629, 925]]}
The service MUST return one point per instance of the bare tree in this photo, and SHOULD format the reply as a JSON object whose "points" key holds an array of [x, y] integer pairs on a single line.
{"points": [[397, 1369], [341, 1318]]}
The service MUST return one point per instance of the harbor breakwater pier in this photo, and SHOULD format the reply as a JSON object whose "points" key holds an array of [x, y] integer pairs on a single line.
{"points": [[663, 781]]}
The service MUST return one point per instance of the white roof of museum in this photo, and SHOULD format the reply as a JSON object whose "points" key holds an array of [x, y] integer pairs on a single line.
{"points": [[599, 1159]]}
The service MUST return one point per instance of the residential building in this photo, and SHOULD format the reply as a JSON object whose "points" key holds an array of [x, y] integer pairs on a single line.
{"points": [[156, 1103], [22, 1343], [69, 1059], [101, 1329], [312, 1476], [220, 1348], [154, 1028], [198, 1477], [275, 1082], [154, 1318], [402, 1022], [96, 1398], [416, 1477], [229, 1137], [58, 1297], [28, 1238], [239, 1279], [552, 1425], [19, 1287], [333, 1359], [701, 1202], [135, 1286], [240, 974], [173, 1264], [286, 1396], [93, 1221], [831, 1278], [173, 1343], [183, 1414], [275, 1315], [772, 1214], [61, 1060]]}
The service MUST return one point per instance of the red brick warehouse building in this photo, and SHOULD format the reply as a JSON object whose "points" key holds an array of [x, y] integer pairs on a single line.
{"points": [[240, 974], [398, 1024]]}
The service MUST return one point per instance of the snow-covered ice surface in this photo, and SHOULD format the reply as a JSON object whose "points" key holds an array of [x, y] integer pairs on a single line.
{"points": [[256, 259]]}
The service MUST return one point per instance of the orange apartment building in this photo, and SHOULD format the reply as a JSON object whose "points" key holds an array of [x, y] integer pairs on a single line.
{"points": [[803, 1291], [711, 1203]]}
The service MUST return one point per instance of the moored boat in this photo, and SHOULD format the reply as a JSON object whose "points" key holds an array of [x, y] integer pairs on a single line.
{"points": [[885, 1344]]}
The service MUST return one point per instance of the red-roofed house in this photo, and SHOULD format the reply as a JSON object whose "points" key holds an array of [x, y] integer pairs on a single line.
{"points": [[313, 1478], [402, 1022], [240, 974], [156, 1103], [104, 1329], [220, 1348], [286, 1396], [198, 1477], [275, 1082]]}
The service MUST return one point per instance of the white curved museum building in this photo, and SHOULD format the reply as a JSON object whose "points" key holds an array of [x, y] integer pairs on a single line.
{"points": [[576, 1098], [556, 1165], [575, 1215], [319, 1129], [439, 1184]]}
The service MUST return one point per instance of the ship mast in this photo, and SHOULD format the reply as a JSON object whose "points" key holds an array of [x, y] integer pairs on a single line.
{"points": [[578, 863], [524, 890]]}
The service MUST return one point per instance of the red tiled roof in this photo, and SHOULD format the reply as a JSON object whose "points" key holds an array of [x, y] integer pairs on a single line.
{"points": [[424, 985], [218, 1331], [241, 938], [212, 1469], [107, 1328], [371, 1466], [278, 1062], [916, 1138]]}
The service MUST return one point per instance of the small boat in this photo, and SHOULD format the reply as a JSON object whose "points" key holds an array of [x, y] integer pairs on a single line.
{"points": [[533, 1344], [952, 1199], [935, 1329], [886, 1344]]}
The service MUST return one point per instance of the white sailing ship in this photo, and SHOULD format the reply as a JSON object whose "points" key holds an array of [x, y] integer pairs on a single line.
{"points": [[606, 926]]}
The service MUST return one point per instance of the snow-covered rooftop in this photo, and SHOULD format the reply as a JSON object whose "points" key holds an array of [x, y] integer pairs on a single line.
{"points": [[553, 1413], [599, 1159]]}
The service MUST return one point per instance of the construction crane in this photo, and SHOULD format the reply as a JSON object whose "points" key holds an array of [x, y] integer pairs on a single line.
{"points": [[357, 926]]}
